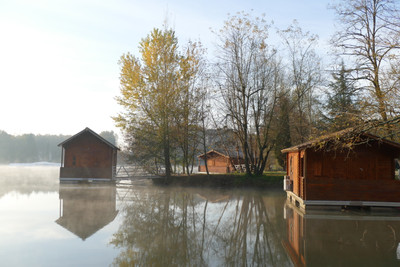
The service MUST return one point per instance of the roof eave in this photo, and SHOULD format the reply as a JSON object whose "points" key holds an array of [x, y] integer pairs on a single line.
{"points": [[87, 129]]}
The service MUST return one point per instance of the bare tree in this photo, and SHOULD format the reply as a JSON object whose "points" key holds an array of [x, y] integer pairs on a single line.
{"points": [[370, 36], [305, 76], [204, 116], [248, 79]]}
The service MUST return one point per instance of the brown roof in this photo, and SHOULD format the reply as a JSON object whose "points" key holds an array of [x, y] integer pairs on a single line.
{"points": [[87, 130], [347, 138], [234, 154]]}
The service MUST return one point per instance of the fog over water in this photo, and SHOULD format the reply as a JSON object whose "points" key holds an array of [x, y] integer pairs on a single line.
{"points": [[44, 223], [28, 178]]}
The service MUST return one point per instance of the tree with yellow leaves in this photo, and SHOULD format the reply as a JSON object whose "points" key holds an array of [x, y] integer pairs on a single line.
{"points": [[154, 93]]}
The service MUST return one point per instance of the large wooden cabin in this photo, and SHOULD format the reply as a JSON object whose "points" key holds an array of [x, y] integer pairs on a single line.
{"points": [[321, 173], [87, 156], [218, 162]]}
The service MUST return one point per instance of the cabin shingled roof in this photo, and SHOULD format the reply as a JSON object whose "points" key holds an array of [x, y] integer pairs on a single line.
{"points": [[234, 154], [346, 133], [87, 129]]}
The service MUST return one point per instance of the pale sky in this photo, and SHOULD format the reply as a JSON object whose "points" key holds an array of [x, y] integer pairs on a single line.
{"points": [[59, 69]]}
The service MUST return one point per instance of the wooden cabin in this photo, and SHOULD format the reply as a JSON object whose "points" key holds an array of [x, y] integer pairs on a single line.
{"points": [[87, 156], [218, 162], [321, 173]]}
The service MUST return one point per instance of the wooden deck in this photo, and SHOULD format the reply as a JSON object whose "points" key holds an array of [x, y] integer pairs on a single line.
{"points": [[312, 204]]}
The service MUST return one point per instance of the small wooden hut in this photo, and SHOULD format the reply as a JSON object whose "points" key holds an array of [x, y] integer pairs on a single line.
{"points": [[359, 172], [87, 156], [218, 162]]}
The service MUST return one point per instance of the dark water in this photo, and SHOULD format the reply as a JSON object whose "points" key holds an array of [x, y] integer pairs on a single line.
{"points": [[43, 223]]}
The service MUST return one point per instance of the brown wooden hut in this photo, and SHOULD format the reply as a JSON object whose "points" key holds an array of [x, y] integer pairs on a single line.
{"points": [[218, 162], [87, 156], [360, 171]]}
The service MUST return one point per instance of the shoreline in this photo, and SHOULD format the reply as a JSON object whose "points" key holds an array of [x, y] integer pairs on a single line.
{"points": [[221, 180]]}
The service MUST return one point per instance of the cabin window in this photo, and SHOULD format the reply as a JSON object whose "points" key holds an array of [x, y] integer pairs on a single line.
{"points": [[291, 166], [73, 160], [397, 169]]}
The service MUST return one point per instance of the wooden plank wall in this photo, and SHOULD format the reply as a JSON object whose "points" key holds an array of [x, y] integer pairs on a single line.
{"points": [[365, 163], [89, 152], [293, 170], [352, 190], [66, 172], [217, 169]]}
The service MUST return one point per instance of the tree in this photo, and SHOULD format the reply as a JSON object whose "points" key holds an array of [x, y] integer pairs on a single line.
{"points": [[304, 77], [110, 136], [192, 90], [156, 94], [248, 78], [283, 137], [204, 119], [370, 36], [342, 105], [147, 88], [7, 147]]}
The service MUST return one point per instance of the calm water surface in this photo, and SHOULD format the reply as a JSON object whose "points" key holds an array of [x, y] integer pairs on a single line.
{"points": [[43, 223]]}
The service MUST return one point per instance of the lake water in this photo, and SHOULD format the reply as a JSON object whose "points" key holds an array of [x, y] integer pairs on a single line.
{"points": [[43, 223]]}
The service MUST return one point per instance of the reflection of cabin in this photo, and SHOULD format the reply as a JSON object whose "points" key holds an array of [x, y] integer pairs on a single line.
{"points": [[213, 197], [87, 155], [84, 210], [322, 173], [220, 163], [334, 238]]}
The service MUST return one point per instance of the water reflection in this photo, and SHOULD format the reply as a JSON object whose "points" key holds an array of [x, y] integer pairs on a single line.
{"points": [[85, 209], [144, 225], [172, 227], [337, 238]]}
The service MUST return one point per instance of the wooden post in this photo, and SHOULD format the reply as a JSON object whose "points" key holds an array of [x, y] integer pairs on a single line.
{"points": [[62, 156], [305, 174]]}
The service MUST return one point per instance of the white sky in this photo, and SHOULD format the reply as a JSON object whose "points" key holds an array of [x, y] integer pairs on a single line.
{"points": [[59, 69]]}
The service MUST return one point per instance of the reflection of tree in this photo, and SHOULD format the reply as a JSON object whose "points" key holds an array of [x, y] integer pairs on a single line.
{"points": [[252, 238], [168, 227], [156, 231]]}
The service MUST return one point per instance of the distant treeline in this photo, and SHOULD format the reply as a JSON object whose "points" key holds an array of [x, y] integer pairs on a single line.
{"points": [[35, 148]]}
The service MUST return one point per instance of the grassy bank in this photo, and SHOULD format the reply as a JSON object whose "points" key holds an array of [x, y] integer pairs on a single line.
{"points": [[268, 180]]}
